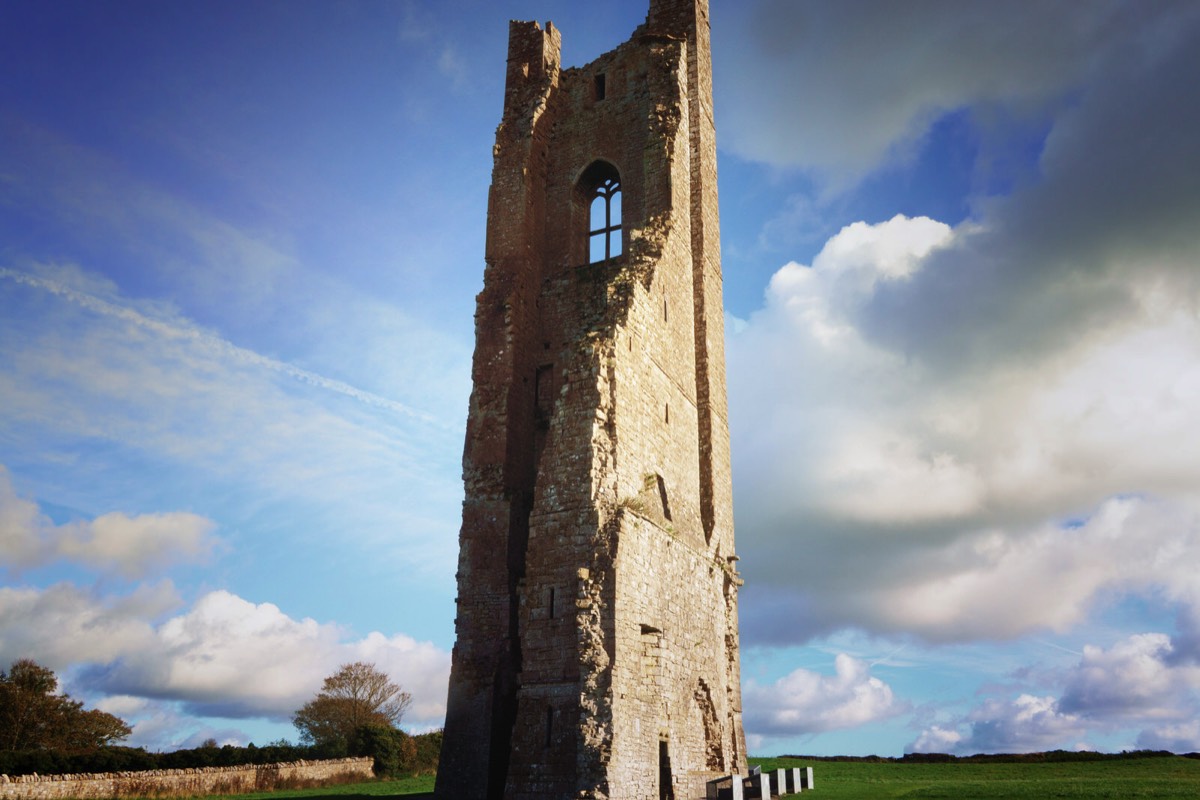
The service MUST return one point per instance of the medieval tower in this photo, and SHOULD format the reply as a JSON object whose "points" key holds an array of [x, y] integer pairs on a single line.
{"points": [[597, 649]]}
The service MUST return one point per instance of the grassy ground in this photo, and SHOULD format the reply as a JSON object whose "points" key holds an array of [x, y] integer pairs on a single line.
{"points": [[350, 791], [1164, 778], [1167, 778]]}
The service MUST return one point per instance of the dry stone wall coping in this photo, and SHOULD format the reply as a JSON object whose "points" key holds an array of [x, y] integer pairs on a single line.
{"points": [[192, 781]]}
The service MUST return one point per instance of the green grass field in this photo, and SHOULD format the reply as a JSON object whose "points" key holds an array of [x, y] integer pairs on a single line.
{"points": [[350, 791], [1166, 778]]}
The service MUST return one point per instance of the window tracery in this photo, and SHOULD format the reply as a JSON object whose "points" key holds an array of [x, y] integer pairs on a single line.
{"points": [[602, 185]]}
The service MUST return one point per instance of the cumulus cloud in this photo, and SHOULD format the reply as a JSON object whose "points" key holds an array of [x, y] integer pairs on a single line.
{"points": [[228, 657], [974, 433], [159, 725], [20, 523], [936, 739], [992, 583], [968, 441], [116, 543], [806, 702], [224, 657], [1135, 680], [1135, 683], [135, 545], [1022, 725], [63, 624]]}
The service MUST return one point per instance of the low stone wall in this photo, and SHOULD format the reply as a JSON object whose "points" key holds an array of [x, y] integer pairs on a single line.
{"points": [[183, 782]]}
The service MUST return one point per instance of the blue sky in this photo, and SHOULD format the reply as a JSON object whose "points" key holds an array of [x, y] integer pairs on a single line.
{"points": [[239, 248]]}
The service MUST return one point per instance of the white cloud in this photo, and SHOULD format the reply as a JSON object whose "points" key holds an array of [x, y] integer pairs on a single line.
{"points": [[1137, 682], [995, 436], [20, 523], [995, 583], [135, 545], [63, 624], [103, 368], [111, 543], [452, 66], [1023, 725], [98, 197], [420, 667], [936, 739], [1183, 737], [1006, 583], [228, 657], [155, 724], [171, 327], [224, 657], [124, 705], [805, 702], [884, 486]]}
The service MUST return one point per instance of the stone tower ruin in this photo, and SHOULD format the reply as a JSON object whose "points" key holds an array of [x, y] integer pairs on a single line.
{"points": [[597, 639]]}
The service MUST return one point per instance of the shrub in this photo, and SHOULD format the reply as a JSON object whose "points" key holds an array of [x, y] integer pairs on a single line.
{"points": [[429, 750], [393, 750]]}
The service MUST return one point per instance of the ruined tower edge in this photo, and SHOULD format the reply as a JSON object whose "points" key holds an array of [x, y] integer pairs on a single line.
{"points": [[597, 639]]}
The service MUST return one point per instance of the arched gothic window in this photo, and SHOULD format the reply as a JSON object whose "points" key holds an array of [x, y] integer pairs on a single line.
{"points": [[603, 186]]}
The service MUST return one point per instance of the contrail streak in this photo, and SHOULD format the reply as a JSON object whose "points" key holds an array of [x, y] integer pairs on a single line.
{"points": [[213, 344]]}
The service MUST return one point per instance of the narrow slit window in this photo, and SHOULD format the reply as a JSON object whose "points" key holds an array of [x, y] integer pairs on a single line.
{"points": [[666, 791], [600, 86], [549, 726], [543, 391], [662, 495]]}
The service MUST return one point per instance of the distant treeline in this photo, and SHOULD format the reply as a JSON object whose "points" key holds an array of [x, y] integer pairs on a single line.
{"points": [[1003, 758], [414, 755]]}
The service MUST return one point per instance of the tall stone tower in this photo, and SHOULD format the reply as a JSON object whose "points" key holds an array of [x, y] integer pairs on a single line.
{"points": [[597, 651]]}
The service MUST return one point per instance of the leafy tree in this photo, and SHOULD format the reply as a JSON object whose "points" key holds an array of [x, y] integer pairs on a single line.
{"points": [[357, 694], [393, 750], [34, 717], [93, 728], [428, 751]]}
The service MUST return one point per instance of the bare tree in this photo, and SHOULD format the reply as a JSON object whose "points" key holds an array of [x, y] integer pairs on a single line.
{"points": [[357, 694]]}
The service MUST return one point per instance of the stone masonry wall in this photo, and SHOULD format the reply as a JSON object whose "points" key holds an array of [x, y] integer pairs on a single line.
{"points": [[597, 650], [183, 782]]}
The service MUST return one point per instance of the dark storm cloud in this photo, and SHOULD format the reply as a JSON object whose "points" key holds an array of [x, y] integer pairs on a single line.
{"points": [[837, 87], [973, 433], [1113, 216]]}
